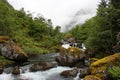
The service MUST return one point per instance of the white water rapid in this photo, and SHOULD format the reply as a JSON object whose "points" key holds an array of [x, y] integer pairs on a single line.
{"points": [[51, 74]]}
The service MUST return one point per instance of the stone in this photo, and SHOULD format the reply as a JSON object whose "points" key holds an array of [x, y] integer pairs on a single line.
{"points": [[11, 50], [84, 72], [69, 73], [16, 70], [41, 66], [70, 57]]}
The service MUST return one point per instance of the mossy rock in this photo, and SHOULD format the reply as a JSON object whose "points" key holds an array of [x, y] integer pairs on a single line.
{"points": [[91, 77], [72, 56], [74, 51], [4, 62], [98, 67], [11, 50], [4, 39]]}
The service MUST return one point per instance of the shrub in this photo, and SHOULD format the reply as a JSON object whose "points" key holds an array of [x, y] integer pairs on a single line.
{"points": [[114, 72]]}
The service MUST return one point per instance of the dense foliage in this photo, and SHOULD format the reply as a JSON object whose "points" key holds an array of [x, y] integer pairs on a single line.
{"points": [[35, 35], [114, 72], [99, 33]]}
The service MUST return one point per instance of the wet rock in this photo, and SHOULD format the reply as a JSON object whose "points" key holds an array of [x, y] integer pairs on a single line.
{"points": [[84, 72], [11, 50], [69, 73], [1, 69], [41, 66], [70, 56], [16, 70]]}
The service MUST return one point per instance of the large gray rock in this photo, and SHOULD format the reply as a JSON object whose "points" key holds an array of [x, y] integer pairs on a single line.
{"points": [[10, 50], [69, 73], [70, 57], [41, 66]]}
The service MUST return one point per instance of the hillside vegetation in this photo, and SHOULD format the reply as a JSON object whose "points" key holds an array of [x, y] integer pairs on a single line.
{"points": [[34, 35], [99, 33]]}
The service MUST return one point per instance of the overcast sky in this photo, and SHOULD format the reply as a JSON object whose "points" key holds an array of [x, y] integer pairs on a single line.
{"points": [[65, 13]]}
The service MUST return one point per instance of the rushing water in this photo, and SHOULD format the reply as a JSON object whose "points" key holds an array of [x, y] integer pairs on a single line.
{"points": [[51, 74]]}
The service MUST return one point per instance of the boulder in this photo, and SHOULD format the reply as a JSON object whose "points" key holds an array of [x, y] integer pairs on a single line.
{"points": [[91, 77], [16, 70], [41, 66], [98, 68], [1, 69], [70, 56], [69, 73], [84, 72], [10, 50]]}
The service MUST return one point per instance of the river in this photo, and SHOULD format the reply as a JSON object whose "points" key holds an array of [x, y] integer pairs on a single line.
{"points": [[51, 74]]}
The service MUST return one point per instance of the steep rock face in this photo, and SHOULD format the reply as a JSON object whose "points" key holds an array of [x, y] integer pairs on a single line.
{"points": [[99, 67], [70, 57], [10, 50]]}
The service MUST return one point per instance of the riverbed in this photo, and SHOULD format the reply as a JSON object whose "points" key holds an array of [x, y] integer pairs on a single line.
{"points": [[51, 74]]}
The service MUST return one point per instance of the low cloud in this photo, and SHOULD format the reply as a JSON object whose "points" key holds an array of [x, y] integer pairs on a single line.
{"points": [[78, 18]]}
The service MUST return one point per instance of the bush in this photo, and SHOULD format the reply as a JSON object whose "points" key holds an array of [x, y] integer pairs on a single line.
{"points": [[114, 72]]}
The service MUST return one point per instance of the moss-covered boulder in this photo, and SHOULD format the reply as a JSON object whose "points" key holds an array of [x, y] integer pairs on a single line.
{"points": [[99, 67], [70, 57], [11, 50], [5, 62], [91, 77]]}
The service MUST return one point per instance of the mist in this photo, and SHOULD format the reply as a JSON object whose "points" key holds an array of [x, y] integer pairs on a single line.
{"points": [[78, 18], [65, 13]]}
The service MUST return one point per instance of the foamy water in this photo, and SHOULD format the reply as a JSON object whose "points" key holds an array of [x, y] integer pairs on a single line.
{"points": [[51, 74]]}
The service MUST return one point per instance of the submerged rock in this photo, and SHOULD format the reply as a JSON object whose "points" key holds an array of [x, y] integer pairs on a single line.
{"points": [[69, 73], [41, 66], [16, 70], [10, 50], [70, 56]]}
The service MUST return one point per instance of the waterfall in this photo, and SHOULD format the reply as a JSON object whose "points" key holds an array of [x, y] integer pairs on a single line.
{"points": [[66, 46]]}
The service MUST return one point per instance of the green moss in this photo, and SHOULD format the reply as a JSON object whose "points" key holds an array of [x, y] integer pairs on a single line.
{"points": [[101, 65], [91, 77]]}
